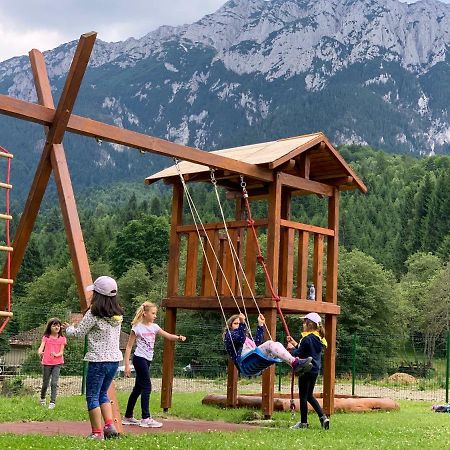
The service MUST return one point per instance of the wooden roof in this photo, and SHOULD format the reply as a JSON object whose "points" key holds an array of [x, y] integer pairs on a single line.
{"points": [[326, 165]]}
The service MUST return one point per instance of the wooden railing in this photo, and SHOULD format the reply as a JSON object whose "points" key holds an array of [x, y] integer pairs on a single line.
{"points": [[298, 277], [197, 275], [295, 273]]}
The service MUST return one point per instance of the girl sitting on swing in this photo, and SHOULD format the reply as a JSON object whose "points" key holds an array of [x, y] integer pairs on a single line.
{"points": [[238, 344]]}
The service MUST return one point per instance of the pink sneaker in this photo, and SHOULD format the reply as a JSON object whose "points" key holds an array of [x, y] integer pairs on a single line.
{"points": [[130, 421], [150, 423]]}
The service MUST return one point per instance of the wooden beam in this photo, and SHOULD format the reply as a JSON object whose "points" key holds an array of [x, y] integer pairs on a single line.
{"points": [[71, 88], [288, 305], [220, 225], [268, 376], [302, 271], [66, 195], [318, 266], [302, 148], [168, 360], [305, 185], [109, 133], [273, 233], [306, 227], [174, 240]]}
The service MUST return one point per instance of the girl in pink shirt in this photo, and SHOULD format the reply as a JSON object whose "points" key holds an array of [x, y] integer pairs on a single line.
{"points": [[51, 353]]}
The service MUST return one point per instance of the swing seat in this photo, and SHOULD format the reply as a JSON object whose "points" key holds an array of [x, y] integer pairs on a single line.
{"points": [[254, 362]]}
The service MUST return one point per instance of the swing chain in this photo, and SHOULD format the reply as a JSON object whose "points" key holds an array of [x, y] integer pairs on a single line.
{"points": [[243, 186], [213, 178]]}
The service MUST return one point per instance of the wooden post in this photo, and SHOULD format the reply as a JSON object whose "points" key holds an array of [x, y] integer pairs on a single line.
{"points": [[273, 233], [302, 271], [329, 372], [268, 376], [168, 360], [286, 272], [232, 379], [174, 240], [318, 266]]}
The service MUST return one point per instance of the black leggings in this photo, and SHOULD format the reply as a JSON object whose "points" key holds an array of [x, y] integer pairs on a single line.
{"points": [[142, 387], [306, 383]]}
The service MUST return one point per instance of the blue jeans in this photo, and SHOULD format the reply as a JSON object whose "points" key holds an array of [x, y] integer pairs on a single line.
{"points": [[98, 380], [142, 387]]}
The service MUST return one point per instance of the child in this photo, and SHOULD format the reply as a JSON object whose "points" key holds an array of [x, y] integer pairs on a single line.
{"points": [[312, 344], [237, 344], [51, 353], [143, 332], [101, 324]]}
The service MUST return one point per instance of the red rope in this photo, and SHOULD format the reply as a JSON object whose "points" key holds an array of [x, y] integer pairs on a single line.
{"points": [[275, 297], [262, 262], [7, 239]]}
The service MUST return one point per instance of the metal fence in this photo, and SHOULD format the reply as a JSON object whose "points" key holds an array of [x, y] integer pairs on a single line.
{"points": [[369, 365]]}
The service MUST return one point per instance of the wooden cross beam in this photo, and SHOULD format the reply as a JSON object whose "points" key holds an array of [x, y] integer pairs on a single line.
{"points": [[57, 122], [53, 158]]}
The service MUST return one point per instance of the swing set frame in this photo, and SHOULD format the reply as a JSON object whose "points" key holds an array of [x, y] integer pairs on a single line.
{"points": [[309, 165]]}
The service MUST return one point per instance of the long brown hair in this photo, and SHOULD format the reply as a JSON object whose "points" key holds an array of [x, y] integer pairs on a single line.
{"points": [[229, 322], [105, 306], [312, 326], [48, 328]]}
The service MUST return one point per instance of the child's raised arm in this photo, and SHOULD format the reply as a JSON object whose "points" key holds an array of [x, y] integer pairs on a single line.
{"points": [[171, 337]]}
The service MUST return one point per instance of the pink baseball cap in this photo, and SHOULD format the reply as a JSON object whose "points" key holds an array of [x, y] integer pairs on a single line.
{"points": [[104, 285]]}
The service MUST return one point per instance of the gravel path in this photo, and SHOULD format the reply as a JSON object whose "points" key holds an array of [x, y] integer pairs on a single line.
{"points": [[71, 385]]}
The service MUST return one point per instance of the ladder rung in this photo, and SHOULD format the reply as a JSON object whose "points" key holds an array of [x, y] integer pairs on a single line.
{"points": [[5, 217], [6, 314], [6, 281], [5, 185], [4, 248], [6, 155]]}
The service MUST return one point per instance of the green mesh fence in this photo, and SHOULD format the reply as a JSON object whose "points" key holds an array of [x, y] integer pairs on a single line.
{"points": [[369, 365]]}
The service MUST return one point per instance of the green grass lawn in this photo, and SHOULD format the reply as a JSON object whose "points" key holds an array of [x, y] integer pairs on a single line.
{"points": [[415, 426]]}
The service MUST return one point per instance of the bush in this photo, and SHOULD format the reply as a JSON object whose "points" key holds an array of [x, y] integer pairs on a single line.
{"points": [[14, 387]]}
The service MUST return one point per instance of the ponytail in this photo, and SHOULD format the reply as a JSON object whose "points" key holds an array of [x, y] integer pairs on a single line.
{"points": [[312, 326], [140, 312]]}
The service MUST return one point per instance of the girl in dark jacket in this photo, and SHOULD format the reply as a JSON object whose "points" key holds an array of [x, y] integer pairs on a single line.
{"points": [[311, 344]]}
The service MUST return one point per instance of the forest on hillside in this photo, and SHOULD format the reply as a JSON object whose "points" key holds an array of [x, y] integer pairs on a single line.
{"points": [[394, 250]]}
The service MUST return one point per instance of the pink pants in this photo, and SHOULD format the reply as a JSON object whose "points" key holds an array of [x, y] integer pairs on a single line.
{"points": [[276, 350]]}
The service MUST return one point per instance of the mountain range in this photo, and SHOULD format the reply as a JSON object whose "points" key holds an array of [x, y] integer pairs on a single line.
{"points": [[371, 72]]}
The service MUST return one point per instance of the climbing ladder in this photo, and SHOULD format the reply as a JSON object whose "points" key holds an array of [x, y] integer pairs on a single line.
{"points": [[6, 314]]}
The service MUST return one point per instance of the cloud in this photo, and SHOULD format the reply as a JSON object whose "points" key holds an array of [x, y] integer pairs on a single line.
{"points": [[45, 24]]}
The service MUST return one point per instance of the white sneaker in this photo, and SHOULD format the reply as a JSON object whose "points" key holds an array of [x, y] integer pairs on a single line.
{"points": [[42, 401], [51, 405], [150, 423], [130, 421]]}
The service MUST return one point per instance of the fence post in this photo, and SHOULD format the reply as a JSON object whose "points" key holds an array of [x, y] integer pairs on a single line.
{"points": [[353, 362], [447, 371], [85, 365]]}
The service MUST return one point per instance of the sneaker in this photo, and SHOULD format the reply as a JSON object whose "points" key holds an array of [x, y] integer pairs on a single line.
{"points": [[299, 425], [301, 366], [325, 422], [96, 436], [150, 423], [130, 421], [110, 432], [51, 405], [42, 401]]}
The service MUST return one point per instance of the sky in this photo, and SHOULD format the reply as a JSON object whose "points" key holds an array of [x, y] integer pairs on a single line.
{"points": [[45, 24]]}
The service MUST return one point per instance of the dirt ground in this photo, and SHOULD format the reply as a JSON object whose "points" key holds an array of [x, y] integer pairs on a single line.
{"points": [[83, 428]]}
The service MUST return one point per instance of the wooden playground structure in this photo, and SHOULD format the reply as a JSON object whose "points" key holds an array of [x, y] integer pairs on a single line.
{"points": [[275, 172]]}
